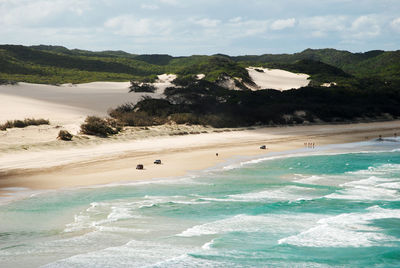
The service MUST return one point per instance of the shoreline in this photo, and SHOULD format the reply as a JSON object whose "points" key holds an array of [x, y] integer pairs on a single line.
{"points": [[180, 155]]}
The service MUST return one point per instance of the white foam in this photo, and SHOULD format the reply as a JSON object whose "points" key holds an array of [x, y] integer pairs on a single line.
{"points": [[132, 254], [99, 214], [287, 193], [372, 188], [380, 170], [272, 223], [208, 245], [310, 180], [346, 230], [348, 148]]}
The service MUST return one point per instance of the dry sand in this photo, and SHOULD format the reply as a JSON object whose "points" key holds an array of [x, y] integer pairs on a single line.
{"points": [[277, 79], [69, 104], [108, 161]]}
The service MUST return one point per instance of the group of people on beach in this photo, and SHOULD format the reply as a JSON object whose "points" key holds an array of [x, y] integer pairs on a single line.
{"points": [[309, 145]]}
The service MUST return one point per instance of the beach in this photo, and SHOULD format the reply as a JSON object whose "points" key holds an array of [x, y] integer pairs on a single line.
{"points": [[56, 165]]}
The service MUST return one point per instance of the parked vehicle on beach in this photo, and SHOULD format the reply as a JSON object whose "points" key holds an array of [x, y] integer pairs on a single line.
{"points": [[140, 167]]}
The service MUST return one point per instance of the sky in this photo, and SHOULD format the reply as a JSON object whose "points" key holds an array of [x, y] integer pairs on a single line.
{"points": [[206, 27]]}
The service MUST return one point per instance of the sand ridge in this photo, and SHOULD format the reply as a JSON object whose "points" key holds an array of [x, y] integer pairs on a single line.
{"points": [[277, 79]]}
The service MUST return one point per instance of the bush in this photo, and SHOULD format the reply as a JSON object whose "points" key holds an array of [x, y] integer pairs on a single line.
{"points": [[64, 135], [24, 123], [184, 80], [185, 118], [141, 87], [7, 82], [97, 126]]}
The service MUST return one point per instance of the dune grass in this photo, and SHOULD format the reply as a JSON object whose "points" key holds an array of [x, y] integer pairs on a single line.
{"points": [[23, 123]]}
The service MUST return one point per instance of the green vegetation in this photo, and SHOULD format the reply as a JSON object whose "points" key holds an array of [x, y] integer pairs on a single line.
{"points": [[206, 103], [24, 123], [141, 87], [56, 65], [101, 127], [380, 64]]}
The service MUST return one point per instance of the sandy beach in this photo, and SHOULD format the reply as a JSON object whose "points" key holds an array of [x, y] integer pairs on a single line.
{"points": [[33, 158], [114, 160]]}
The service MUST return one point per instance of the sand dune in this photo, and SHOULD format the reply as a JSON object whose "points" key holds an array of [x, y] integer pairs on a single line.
{"points": [[66, 106], [276, 79], [96, 97]]}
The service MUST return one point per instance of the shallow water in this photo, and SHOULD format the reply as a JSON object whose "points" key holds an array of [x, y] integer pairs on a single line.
{"points": [[338, 208]]}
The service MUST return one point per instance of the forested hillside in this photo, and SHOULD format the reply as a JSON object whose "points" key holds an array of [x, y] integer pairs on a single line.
{"points": [[363, 86], [56, 64]]}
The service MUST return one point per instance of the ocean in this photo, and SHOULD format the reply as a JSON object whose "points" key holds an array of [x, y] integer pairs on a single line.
{"points": [[334, 206]]}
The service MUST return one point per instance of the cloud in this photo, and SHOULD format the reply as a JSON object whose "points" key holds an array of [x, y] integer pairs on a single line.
{"points": [[395, 24], [208, 23], [321, 26], [365, 27], [128, 25], [207, 26], [149, 6], [235, 20], [238, 27], [282, 24], [33, 13], [169, 2]]}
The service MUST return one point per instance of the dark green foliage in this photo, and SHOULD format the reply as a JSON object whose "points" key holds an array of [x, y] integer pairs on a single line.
{"points": [[141, 87], [56, 65], [24, 123], [214, 66], [206, 103], [184, 80], [7, 82], [97, 126], [147, 112], [64, 135], [157, 59]]}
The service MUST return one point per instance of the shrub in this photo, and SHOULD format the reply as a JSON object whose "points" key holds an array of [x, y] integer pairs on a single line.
{"points": [[97, 126], [64, 135], [141, 87], [185, 80], [24, 123], [7, 82], [185, 118]]}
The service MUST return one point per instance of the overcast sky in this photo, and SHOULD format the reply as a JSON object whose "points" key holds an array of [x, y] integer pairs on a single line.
{"points": [[186, 27]]}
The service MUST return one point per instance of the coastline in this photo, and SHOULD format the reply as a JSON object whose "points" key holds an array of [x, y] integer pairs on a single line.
{"points": [[116, 162]]}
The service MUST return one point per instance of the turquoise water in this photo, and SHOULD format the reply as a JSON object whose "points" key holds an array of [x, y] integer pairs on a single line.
{"points": [[340, 208]]}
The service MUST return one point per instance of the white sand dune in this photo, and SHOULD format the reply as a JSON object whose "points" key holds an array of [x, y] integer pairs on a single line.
{"points": [[64, 103], [200, 76], [276, 79], [164, 81]]}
